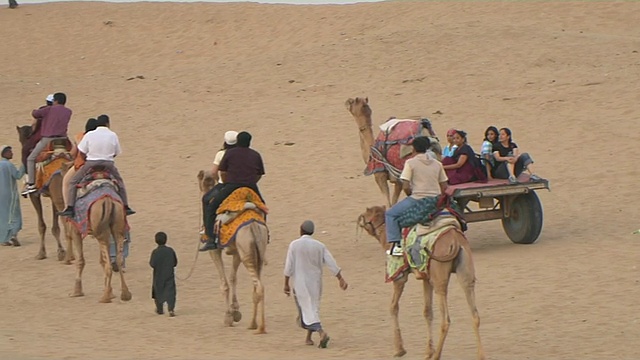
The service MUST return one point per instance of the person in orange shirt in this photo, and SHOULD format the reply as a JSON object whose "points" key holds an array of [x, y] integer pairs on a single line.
{"points": [[78, 157]]}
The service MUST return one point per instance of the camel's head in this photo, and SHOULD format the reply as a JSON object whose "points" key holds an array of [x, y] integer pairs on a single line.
{"points": [[359, 107], [206, 181], [372, 220], [24, 132]]}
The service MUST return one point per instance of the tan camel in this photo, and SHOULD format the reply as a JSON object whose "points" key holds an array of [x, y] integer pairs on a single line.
{"points": [[451, 254], [106, 220], [361, 112], [54, 192], [249, 248]]}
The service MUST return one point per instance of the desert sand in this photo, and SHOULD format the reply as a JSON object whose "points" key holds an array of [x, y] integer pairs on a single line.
{"points": [[563, 76]]}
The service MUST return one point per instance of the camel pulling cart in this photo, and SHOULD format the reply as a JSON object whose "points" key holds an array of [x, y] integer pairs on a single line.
{"points": [[516, 204]]}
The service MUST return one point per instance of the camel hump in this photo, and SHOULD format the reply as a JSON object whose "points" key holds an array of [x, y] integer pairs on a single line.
{"points": [[447, 246]]}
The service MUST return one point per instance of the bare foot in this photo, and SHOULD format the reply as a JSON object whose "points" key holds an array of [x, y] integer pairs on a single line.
{"points": [[309, 342]]}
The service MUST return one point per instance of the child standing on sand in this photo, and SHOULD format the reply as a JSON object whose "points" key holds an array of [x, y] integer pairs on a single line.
{"points": [[163, 261]]}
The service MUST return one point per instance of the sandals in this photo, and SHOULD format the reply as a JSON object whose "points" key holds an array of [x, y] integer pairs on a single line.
{"points": [[324, 342], [14, 242], [8, 243]]}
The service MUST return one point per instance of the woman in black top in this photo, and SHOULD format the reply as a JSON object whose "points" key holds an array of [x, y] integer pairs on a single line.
{"points": [[509, 162], [461, 167]]}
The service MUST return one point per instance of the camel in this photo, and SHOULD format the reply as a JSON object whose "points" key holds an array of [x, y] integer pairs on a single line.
{"points": [[361, 112], [106, 220], [54, 192], [458, 259], [249, 248]]}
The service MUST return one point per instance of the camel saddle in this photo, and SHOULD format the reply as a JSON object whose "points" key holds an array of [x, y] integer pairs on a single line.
{"points": [[242, 207], [97, 177], [55, 149]]}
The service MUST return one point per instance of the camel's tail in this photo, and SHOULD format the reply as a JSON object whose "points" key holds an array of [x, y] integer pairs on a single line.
{"points": [[260, 238], [463, 265], [103, 228]]}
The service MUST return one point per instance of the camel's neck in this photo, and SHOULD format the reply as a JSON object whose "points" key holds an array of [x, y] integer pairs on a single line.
{"points": [[366, 137]]}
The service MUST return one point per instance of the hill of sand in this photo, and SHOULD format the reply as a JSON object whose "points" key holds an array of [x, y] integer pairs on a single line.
{"points": [[564, 77]]}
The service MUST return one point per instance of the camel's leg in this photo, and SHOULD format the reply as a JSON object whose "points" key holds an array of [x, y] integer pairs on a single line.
{"points": [[107, 295], [77, 290], [42, 227], [398, 288], [440, 274], [216, 256], [248, 252], [381, 179], [125, 294], [233, 279], [428, 314], [69, 239], [397, 189], [55, 230], [466, 276]]}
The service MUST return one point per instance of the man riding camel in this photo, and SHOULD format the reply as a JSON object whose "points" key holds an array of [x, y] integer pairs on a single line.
{"points": [[100, 147], [54, 124], [240, 167]]}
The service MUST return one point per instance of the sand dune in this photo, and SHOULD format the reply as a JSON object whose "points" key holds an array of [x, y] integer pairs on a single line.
{"points": [[564, 77]]}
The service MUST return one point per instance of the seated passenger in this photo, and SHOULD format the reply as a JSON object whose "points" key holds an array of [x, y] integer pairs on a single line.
{"points": [[422, 177], [463, 166], [78, 160], [510, 163], [100, 147], [240, 167], [486, 154], [451, 147]]}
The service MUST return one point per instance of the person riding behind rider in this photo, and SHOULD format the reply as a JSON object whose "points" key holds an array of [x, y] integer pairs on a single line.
{"points": [[78, 159], [240, 167], [100, 147], [54, 125]]}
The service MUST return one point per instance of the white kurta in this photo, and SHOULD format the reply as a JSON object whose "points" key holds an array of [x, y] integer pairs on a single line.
{"points": [[305, 259]]}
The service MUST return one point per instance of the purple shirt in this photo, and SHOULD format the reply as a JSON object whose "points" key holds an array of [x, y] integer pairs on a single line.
{"points": [[55, 120]]}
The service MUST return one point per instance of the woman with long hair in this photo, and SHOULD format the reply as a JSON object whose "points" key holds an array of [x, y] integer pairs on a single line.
{"points": [[510, 163], [486, 153]]}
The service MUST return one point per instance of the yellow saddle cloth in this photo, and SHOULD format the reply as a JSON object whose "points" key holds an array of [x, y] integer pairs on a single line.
{"points": [[235, 203]]}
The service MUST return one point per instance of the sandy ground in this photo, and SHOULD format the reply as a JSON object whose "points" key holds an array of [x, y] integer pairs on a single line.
{"points": [[564, 77]]}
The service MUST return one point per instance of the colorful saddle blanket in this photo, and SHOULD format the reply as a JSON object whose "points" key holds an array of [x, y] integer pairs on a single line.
{"points": [[418, 243], [83, 205], [393, 144], [236, 203]]}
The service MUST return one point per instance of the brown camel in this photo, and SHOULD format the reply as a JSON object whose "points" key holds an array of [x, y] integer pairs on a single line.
{"points": [[54, 192], [106, 220], [249, 248], [451, 254], [361, 112]]}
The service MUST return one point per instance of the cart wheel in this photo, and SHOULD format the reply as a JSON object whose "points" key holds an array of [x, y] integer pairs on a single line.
{"points": [[524, 224]]}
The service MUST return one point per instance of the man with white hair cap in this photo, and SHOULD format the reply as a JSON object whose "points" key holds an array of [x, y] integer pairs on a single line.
{"points": [[305, 259], [230, 141]]}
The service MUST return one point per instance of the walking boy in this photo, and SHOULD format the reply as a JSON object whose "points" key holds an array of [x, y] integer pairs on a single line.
{"points": [[163, 261]]}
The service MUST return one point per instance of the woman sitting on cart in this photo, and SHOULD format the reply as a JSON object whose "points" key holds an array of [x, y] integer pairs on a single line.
{"points": [[509, 162], [462, 166]]}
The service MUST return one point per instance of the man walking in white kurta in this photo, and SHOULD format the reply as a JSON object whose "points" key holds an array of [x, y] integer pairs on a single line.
{"points": [[305, 259]]}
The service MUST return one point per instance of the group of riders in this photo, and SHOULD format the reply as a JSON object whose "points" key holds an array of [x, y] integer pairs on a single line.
{"points": [[235, 166], [96, 147], [425, 177]]}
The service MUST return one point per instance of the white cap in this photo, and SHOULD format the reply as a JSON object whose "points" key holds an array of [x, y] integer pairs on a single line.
{"points": [[231, 137], [50, 98]]}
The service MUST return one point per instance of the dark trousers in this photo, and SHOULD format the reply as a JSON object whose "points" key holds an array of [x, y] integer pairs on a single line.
{"points": [[212, 200], [13, 3], [170, 300]]}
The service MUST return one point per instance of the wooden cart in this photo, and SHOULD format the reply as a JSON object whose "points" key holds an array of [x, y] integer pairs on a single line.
{"points": [[516, 204]]}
